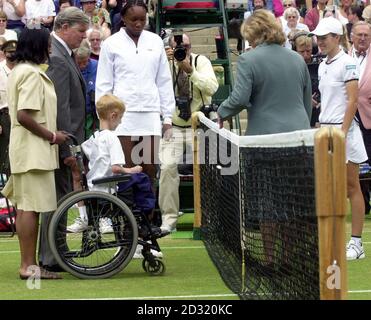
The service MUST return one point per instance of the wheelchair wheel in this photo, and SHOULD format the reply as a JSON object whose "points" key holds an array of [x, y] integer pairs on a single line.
{"points": [[94, 252], [70, 194], [154, 268]]}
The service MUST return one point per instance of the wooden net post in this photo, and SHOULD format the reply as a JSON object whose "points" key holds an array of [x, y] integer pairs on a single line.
{"points": [[331, 207], [196, 180]]}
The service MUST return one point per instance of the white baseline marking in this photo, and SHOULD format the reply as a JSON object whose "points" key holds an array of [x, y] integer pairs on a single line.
{"points": [[167, 297], [166, 248]]}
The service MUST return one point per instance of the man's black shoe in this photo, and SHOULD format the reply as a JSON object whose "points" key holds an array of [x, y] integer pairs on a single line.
{"points": [[54, 268]]}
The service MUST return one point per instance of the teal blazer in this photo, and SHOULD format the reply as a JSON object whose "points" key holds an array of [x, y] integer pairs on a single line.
{"points": [[273, 84]]}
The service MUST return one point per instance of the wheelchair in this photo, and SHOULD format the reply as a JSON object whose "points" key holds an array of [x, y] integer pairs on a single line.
{"points": [[93, 254]]}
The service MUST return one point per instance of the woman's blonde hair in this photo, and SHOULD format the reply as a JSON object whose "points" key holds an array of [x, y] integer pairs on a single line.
{"points": [[262, 27], [109, 103]]}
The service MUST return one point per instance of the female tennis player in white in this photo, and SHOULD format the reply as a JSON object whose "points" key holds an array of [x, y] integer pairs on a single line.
{"points": [[338, 83]]}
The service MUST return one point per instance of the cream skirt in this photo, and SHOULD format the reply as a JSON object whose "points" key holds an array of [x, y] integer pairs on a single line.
{"points": [[32, 191]]}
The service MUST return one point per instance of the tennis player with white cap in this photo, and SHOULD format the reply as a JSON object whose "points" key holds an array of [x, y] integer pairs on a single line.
{"points": [[338, 83]]}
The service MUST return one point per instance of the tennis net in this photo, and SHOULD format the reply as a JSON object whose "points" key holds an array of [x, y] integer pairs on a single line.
{"points": [[260, 221]]}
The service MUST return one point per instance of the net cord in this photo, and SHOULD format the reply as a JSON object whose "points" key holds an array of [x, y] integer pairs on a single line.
{"points": [[286, 139]]}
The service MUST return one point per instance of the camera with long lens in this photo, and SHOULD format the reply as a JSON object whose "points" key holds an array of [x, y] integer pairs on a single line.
{"points": [[210, 111], [180, 52]]}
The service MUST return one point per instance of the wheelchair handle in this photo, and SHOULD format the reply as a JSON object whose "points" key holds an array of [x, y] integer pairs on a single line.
{"points": [[73, 138]]}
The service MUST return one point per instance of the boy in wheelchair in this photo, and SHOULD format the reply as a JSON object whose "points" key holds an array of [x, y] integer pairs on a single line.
{"points": [[106, 159]]}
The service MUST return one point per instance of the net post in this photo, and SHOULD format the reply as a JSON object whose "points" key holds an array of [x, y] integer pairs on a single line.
{"points": [[196, 180], [331, 206]]}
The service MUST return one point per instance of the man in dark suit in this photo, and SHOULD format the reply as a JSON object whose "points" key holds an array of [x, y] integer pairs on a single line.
{"points": [[69, 30]]}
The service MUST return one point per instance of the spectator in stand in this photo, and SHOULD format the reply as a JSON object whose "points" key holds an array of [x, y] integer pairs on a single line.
{"points": [[88, 68], [2, 55], [355, 15], [95, 39], [315, 14], [99, 19], [292, 17], [41, 11], [343, 11], [289, 4], [89, 6], [4, 32], [366, 14], [14, 10], [64, 4], [274, 6], [114, 8]]}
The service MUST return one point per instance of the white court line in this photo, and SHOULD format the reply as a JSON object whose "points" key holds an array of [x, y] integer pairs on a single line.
{"points": [[166, 297], [188, 296], [163, 248], [166, 248], [359, 291]]}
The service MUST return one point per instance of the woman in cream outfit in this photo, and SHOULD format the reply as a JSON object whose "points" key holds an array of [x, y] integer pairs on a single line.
{"points": [[33, 152]]}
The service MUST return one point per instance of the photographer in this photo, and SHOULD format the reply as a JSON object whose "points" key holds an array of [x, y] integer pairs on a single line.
{"points": [[308, 49], [194, 84]]}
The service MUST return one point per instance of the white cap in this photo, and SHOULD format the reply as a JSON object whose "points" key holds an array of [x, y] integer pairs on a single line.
{"points": [[326, 26]]}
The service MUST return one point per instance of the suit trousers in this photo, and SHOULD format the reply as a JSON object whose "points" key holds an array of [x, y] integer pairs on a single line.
{"points": [[171, 154], [365, 184]]}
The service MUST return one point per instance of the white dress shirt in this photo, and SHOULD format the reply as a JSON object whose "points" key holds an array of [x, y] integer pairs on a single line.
{"points": [[361, 61]]}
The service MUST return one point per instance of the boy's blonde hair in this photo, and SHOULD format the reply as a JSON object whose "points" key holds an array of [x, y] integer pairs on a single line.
{"points": [[109, 103]]}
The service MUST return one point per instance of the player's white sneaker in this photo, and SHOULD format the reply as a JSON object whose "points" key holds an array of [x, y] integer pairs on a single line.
{"points": [[355, 251], [79, 225], [105, 225], [138, 253]]}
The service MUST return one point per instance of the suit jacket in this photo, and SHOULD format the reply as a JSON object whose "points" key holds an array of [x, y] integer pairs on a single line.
{"points": [[364, 93], [70, 89], [274, 84]]}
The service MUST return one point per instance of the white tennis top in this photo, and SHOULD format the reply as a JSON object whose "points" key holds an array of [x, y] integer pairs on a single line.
{"points": [[333, 75]]}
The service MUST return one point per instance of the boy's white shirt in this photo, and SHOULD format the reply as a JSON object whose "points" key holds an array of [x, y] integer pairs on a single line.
{"points": [[103, 149]]}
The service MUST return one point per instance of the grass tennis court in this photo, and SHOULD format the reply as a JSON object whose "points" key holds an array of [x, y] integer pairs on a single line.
{"points": [[190, 275]]}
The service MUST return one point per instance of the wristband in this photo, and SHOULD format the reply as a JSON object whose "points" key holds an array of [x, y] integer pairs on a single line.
{"points": [[167, 121], [54, 138]]}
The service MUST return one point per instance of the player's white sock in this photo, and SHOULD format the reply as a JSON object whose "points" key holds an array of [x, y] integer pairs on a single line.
{"points": [[83, 215], [357, 240]]}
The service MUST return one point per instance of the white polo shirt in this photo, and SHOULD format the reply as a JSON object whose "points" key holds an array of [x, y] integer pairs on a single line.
{"points": [[333, 75], [103, 149]]}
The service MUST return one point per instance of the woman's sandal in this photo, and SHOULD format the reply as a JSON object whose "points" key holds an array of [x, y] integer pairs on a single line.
{"points": [[44, 274]]}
